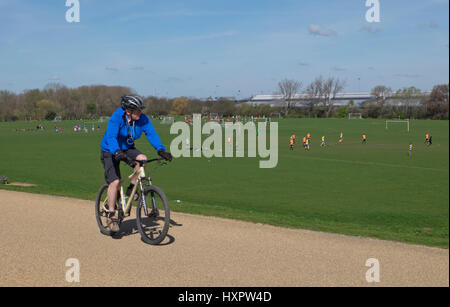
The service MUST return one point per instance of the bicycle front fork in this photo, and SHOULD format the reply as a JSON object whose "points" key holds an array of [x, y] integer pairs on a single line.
{"points": [[154, 211]]}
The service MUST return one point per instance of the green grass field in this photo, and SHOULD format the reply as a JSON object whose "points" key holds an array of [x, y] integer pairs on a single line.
{"points": [[375, 190]]}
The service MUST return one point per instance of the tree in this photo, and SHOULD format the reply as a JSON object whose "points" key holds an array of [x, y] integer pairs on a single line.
{"points": [[436, 106], [7, 104], [288, 89], [158, 106], [90, 108], [381, 94], [314, 93], [330, 88], [408, 96], [223, 106], [180, 106], [439, 94], [50, 115], [30, 99], [43, 107]]}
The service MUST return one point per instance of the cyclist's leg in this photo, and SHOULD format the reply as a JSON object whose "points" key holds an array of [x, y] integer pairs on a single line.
{"points": [[135, 154], [112, 177], [112, 194], [112, 220]]}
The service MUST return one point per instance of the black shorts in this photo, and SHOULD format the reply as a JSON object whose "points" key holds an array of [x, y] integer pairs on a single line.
{"points": [[112, 169]]}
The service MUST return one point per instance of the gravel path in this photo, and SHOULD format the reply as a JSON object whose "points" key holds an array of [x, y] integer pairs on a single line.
{"points": [[40, 232]]}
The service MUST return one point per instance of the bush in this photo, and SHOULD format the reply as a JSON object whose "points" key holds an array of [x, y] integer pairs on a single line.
{"points": [[50, 116], [342, 112]]}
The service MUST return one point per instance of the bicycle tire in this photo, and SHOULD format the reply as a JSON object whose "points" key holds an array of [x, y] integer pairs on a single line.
{"points": [[99, 213], [147, 223]]}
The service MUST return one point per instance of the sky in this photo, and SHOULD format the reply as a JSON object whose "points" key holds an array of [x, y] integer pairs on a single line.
{"points": [[236, 48]]}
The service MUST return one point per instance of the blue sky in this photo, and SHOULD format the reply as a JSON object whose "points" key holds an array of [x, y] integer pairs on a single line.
{"points": [[222, 48]]}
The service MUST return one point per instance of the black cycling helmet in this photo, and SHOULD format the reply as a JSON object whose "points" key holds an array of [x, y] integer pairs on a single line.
{"points": [[131, 102]]}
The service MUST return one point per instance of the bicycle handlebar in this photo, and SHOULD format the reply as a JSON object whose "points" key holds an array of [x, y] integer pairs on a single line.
{"points": [[149, 161]]}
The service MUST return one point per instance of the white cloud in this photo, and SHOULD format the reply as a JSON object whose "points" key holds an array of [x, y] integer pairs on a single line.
{"points": [[319, 30], [370, 29], [201, 37], [409, 76], [338, 68], [54, 78]]}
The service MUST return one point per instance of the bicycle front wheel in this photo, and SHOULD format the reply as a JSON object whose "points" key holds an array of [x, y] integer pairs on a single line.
{"points": [[101, 210], [153, 215]]}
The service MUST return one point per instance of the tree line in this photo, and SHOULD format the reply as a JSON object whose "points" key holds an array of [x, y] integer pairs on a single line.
{"points": [[318, 100]]}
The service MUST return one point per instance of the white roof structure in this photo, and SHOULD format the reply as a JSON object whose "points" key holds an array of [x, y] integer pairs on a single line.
{"points": [[341, 98], [360, 95]]}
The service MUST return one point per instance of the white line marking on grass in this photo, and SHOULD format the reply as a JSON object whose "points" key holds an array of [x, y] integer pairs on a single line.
{"points": [[374, 164]]}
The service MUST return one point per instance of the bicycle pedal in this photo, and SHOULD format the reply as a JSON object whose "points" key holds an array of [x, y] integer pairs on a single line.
{"points": [[154, 213]]}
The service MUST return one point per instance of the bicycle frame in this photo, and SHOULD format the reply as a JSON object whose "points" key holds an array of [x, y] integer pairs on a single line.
{"points": [[126, 205]]}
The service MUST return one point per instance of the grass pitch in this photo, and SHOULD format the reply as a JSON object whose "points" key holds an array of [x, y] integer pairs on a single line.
{"points": [[374, 190]]}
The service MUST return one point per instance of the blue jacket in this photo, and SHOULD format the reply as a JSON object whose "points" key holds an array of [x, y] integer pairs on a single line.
{"points": [[118, 132]]}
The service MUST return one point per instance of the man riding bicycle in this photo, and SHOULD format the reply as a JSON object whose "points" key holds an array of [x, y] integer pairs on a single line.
{"points": [[124, 127]]}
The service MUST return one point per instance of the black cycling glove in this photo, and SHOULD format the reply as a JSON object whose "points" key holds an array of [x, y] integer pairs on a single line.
{"points": [[165, 155], [121, 156]]}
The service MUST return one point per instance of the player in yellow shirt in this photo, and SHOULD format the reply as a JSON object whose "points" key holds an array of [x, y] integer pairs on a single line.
{"points": [[364, 138], [291, 143], [341, 138], [323, 141], [411, 148], [307, 144]]}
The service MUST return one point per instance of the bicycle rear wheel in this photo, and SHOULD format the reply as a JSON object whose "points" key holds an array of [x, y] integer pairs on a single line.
{"points": [[153, 215], [101, 210]]}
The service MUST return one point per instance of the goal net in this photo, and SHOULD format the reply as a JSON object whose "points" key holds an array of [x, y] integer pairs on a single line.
{"points": [[103, 119], [396, 122], [354, 116], [167, 120]]}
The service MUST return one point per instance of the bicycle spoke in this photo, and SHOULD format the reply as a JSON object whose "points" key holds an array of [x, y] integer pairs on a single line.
{"points": [[102, 211], [153, 222]]}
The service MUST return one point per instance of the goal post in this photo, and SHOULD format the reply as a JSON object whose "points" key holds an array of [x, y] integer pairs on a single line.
{"points": [[396, 122], [354, 116], [167, 120]]}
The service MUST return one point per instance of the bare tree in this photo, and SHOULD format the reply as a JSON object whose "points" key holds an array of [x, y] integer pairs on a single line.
{"points": [[381, 94], [288, 89], [409, 96], [7, 100], [330, 88], [314, 93]]}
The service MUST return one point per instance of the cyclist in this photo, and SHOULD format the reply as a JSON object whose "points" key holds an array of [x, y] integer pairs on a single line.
{"points": [[124, 127]]}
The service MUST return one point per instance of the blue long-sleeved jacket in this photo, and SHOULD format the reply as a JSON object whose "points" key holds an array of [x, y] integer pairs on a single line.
{"points": [[119, 131]]}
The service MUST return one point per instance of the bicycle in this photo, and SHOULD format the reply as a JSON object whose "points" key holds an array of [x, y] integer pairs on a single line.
{"points": [[154, 225]]}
